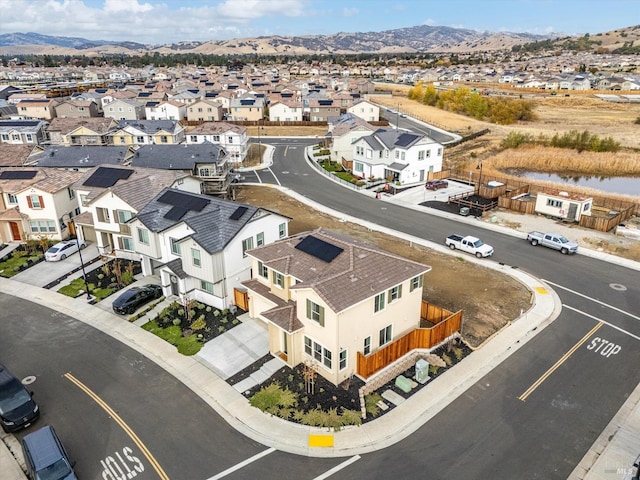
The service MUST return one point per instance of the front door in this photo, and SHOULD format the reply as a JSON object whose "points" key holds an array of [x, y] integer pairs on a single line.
{"points": [[174, 285], [15, 231]]}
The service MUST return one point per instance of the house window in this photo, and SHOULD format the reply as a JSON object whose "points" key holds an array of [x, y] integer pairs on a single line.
{"points": [[126, 243], [72, 193], [385, 335], [554, 203], [326, 357], [195, 257], [216, 138], [260, 239], [11, 198], [29, 137], [204, 172], [206, 286], [229, 139], [440, 152], [123, 216], [263, 271], [358, 167], [5, 137], [416, 282], [359, 150], [42, 226], [378, 303], [122, 140], [278, 279], [308, 345], [315, 312], [367, 346], [164, 139], [282, 230], [421, 155], [318, 352], [247, 244], [395, 293], [143, 236], [35, 201], [175, 246], [343, 359], [402, 155], [103, 215], [140, 139], [194, 138]]}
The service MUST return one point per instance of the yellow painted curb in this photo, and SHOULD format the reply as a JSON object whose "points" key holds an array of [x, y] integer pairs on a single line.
{"points": [[321, 440], [541, 290]]}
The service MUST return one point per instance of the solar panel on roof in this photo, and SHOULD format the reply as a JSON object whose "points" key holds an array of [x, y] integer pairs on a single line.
{"points": [[180, 199], [318, 248], [246, 102], [144, 94], [105, 177], [18, 174], [240, 211], [325, 102], [176, 213]]}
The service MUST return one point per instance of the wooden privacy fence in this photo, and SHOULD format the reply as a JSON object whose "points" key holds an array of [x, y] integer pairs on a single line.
{"points": [[424, 338]]}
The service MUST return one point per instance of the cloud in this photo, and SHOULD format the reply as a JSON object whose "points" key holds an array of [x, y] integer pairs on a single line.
{"points": [[429, 21], [129, 6], [350, 12]]}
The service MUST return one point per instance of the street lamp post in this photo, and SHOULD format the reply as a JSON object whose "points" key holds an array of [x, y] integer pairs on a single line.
{"points": [[479, 167], [84, 273]]}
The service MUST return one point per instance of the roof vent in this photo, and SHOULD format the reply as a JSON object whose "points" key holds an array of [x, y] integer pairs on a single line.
{"points": [[563, 194]]}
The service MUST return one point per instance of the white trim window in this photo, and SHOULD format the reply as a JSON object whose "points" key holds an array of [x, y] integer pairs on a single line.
{"points": [[320, 353], [343, 359], [278, 279], [195, 257], [143, 236], [395, 293], [378, 302], [263, 271], [175, 246], [260, 239], [416, 282], [366, 350], [386, 335], [282, 230], [247, 244], [315, 312]]}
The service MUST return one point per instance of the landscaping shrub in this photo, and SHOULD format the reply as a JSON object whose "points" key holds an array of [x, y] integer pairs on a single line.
{"points": [[371, 404], [271, 396]]}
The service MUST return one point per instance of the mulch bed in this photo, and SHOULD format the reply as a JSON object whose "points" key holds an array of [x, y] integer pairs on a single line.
{"points": [[207, 321], [455, 208], [326, 395]]}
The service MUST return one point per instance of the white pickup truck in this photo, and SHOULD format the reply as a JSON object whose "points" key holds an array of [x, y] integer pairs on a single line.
{"points": [[552, 240], [469, 244]]}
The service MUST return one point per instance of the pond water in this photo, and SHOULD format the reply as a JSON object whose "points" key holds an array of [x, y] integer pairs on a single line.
{"points": [[620, 185]]}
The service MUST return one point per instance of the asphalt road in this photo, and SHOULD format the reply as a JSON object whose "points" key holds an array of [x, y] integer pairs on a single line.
{"points": [[534, 416]]}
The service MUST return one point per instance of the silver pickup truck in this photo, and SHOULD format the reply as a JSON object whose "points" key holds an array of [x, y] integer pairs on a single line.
{"points": [[552, 240]]}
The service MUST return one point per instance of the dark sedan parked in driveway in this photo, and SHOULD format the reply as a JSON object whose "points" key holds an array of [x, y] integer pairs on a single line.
{"points": [[135, 297], [436, 184]]}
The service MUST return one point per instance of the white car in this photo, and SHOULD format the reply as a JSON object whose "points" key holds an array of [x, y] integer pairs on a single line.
{"points": [[62, 250]]}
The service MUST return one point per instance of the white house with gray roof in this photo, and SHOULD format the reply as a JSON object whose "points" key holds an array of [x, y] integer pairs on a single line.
{"points": [[198, 244], [23, 132], [233, 138], [109, 196], [401, 157]]}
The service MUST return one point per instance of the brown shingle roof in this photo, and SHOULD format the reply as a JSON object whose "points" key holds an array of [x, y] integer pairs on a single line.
{"points": [[359, 272], [284, 314], [46, 179], [67, 125], [14, 155]]}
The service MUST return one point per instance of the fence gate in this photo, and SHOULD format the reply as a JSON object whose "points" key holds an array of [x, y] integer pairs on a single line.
{"points": [[241, 299]]}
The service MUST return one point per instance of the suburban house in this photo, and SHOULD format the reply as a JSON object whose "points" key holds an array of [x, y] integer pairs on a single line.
{"points": [[343, 131], [147, 132], [23, 132], [198, 244], [326, 297], [78, 109], [80, 157], [124, 109], [109, 196], [285, 111], [33, 202], [564, 205], [205, 111], [80, 131], [401, 157], [321, 109], [43, 109], [247, 108], [205, 161], [366, 110], [165, 110], [233, 138]]}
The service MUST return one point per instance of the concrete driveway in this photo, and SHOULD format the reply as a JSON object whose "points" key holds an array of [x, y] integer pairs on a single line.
{"points": [[46, 272], [236, 349]]}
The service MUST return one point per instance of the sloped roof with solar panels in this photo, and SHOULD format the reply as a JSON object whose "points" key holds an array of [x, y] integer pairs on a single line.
{"points": [[214, 221]]}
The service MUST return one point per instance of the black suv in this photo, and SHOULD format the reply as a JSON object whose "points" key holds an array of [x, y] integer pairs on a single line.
{"points": [[17, 407], [129, 301]]}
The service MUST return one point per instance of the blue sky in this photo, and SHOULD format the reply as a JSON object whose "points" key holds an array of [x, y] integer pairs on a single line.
{"points": [[167, 21]]}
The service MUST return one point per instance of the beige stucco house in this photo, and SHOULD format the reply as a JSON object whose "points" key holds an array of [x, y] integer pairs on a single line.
{"points": [[325, 297]]}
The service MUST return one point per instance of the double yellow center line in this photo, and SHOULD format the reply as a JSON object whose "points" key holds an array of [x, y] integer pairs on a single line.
{"points": [[154, 463], [564, 358]]}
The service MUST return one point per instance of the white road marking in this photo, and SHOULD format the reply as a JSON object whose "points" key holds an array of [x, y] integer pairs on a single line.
{"points": [[337, 468], [240, 465], [594, 300], [603, 321], [274, 176]]}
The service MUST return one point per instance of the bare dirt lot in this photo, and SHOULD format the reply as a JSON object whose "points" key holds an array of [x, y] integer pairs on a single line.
{"points": [[488, 299]]}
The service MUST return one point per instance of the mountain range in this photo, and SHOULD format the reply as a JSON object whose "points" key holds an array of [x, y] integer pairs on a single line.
{"points": [[418, 39]]}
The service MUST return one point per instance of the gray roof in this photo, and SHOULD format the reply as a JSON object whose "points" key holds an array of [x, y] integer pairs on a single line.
{"points": [[150, 127], [24, 126], [395, 138], [178, 157], [80, 156], [213, 229]]}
